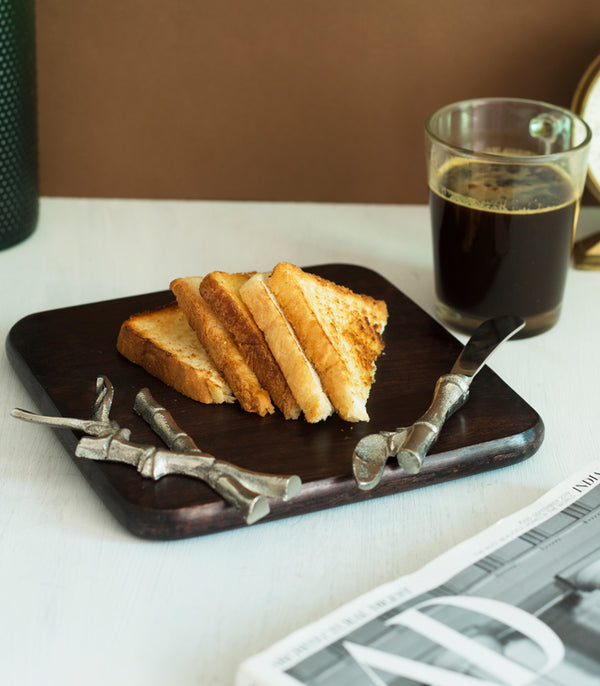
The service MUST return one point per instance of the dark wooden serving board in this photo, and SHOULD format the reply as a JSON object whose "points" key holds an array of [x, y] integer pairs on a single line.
{"points": [[58, 355]]}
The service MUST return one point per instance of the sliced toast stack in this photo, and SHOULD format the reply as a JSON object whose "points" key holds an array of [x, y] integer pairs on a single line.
{"points": [[289, 340]]}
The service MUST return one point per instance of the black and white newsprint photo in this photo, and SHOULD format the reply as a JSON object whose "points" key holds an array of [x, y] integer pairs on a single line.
{"points": [[517, 605]]}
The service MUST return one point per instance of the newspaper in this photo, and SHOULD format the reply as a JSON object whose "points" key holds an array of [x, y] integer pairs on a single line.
{"points": [[516, 605]]}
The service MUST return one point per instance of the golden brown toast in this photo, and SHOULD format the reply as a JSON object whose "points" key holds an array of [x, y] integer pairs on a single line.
{"points": [[221, 346], [287, 351], [163, 343], [339, 330], [221, 291]]}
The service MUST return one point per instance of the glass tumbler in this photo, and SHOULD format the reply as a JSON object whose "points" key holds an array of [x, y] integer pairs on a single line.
{"points": [[505, 181]]}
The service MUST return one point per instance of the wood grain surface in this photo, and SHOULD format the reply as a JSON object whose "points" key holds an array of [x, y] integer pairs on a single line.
{"points": [[58, 355]]}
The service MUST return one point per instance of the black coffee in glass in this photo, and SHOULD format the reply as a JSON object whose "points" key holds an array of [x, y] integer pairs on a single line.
{"points": [[502, 237], [505, 180]]}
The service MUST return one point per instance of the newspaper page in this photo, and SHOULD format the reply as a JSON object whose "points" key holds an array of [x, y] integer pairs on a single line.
{"points": [[516, 605]]}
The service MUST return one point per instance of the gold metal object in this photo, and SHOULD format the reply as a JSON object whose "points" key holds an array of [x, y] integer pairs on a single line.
{"points": [[586, 103], [586, 252]]}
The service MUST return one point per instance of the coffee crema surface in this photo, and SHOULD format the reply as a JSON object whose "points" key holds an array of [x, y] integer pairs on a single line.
{"points": [[500, 187]]}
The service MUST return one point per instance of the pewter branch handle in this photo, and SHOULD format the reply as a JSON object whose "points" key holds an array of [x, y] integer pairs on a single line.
{"points": [[451, 392], [154, 463], [163, 424], [252, 506], [278, 486], [161, 421], [88, 426]]}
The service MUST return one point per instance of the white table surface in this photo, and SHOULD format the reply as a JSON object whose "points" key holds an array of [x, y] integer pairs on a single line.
{"points": [[82, 601]]}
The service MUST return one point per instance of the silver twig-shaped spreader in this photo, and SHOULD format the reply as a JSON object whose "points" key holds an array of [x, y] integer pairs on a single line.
{"points": [[246, 490], [411, 444]]}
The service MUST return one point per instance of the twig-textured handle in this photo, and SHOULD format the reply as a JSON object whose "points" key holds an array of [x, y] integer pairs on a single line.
{"points": [[451, 392], [154, 463], [282, 487], [252, 506], [162, 423], [229, 484]]}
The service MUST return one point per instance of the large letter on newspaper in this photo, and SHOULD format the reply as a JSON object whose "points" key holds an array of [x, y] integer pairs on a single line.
{"points": [[517, 605]]}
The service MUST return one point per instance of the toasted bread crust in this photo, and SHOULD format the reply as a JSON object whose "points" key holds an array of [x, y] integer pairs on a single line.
{"points": [[339, 330], [299, 373], [221, 291], [162, 342], [221, 346]]}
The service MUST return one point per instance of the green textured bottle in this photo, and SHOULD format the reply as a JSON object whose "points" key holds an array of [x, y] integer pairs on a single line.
{"points": [[18, 122]]}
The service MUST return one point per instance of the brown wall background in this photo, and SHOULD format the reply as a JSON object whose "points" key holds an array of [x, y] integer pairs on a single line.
{"points": [[320, 100]]}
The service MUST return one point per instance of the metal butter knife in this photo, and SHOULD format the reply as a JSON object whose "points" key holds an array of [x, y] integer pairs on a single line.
{"points": [[411, 444]]}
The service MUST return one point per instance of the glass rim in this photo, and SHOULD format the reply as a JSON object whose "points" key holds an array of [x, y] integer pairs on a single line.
{"points": [[522, 159]]}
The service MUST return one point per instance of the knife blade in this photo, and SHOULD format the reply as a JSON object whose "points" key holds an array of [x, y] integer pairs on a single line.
{"points": [[280, 486], [486, 338], [411, 444], [452, 390]]}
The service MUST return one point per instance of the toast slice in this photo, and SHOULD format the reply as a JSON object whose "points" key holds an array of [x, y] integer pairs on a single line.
{"points": [[163, 343], [287, 351], [340, 332], [221, 346], [221, 291]]}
